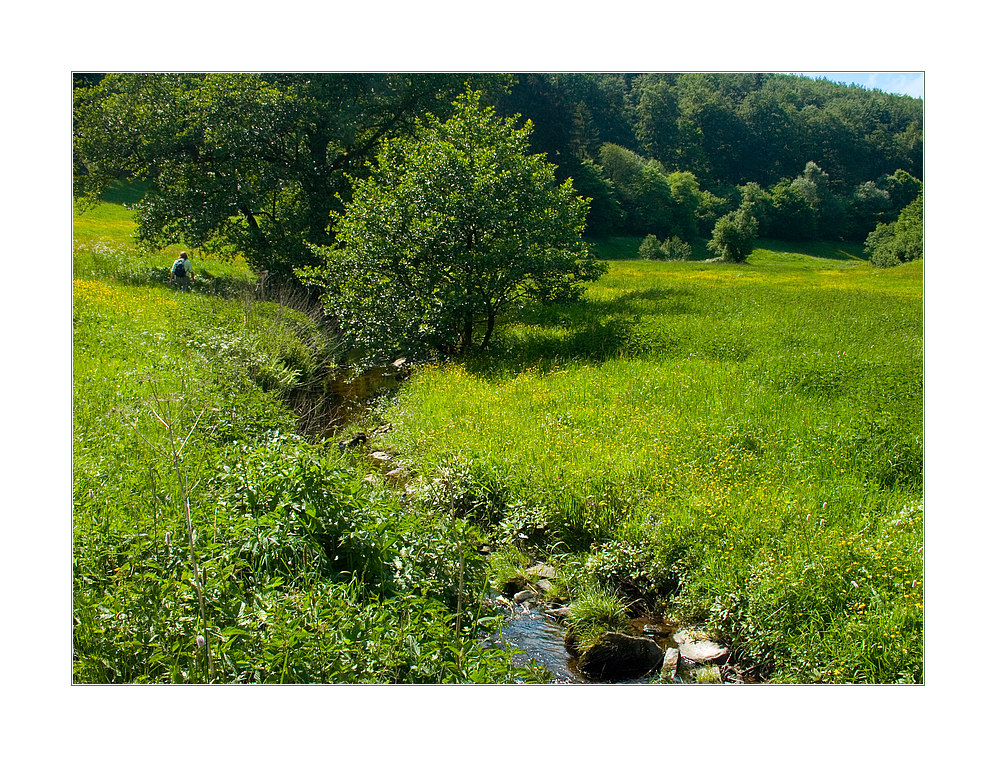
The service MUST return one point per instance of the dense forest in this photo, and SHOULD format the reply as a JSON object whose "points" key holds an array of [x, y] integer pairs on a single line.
{"points": [[670, 153], [259, 162]]}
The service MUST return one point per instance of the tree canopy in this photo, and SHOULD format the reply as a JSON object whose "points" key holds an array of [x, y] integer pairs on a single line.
{"points": [[734, 235], [451, 226], [901, 241], [257, 163], [725, 130]]}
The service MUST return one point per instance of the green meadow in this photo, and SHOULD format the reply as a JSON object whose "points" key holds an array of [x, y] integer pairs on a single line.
{"points": [[737, 446]]}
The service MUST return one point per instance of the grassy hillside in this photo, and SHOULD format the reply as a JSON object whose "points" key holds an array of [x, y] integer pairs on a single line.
{"points": [[211, 541], [745, 440]]}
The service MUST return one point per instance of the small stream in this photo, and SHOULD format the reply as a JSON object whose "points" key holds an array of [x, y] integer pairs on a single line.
{"points": [[541, 639], [537, 636]]}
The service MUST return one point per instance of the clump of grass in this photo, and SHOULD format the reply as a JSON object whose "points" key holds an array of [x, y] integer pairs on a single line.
{"points": [[594, 612], [505, 565]]}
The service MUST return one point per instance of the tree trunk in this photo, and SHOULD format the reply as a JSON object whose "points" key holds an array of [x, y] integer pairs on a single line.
{"points": [[468, 332], [490, 327], [254, 231]]}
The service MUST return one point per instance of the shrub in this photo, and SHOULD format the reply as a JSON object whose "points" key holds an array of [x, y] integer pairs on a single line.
{"points": [[734, 235], [650, 248], [464, 490], [672, 248], [676, 248]]}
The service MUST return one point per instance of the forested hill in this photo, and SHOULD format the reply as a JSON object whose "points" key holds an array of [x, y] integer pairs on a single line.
{"points": [[726, 130]]}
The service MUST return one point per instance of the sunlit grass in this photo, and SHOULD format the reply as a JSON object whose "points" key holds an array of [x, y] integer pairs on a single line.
{"points": [[104, 222], [106, 248], [752, 433], [741, 441]]}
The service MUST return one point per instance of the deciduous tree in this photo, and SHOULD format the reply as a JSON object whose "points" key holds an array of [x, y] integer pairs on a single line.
{"points": [[734, 236], [451, 227], [900, 242]]}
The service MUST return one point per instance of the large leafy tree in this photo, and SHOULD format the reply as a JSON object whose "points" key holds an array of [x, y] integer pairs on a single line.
{"points": [[656, 118], [814, 185], [868, 206], [256, 163], [792, 217], [451, 227]]}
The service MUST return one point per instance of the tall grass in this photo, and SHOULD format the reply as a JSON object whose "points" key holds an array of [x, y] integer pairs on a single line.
{"points": [[744, 442]]}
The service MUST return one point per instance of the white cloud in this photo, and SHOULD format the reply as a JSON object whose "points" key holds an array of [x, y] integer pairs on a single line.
{"points": [[896, 82], [909, 84]]}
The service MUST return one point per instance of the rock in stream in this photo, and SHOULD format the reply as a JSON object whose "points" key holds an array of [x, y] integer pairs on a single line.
{"points": [[618, 656]]}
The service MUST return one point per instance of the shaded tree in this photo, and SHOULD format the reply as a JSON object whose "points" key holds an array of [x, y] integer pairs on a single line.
{"points": [[868, 206], [759, 204], [708, 210], [899, 242], [685, 194], [254, 163], [902, 188], [656, 119], [605, 215], [584, 134], [828, 210], [654, 204], [792, 217]]}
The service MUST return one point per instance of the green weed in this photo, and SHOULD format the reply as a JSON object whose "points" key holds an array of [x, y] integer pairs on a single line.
{"points": [[595, 612]]}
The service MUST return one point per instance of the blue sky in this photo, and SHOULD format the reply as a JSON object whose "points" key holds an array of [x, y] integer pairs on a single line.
{"points": [[896, 82]]}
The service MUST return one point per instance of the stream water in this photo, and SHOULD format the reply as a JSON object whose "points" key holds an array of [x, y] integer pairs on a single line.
{"points": [[541, 639]]}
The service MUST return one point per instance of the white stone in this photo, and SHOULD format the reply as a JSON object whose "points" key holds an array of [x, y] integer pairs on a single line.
{"points": [[541, 570], [670, 660], [698, 648]]}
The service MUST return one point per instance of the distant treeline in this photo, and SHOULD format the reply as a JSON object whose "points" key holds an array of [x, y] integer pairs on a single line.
{"points": [[668, 153]]}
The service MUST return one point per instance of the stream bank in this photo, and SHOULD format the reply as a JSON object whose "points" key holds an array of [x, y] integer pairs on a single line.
{"points": [[343, 397], [654, 650]]}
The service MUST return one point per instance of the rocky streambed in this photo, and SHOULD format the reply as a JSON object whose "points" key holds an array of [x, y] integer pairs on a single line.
{"points": [[653, 650]]}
